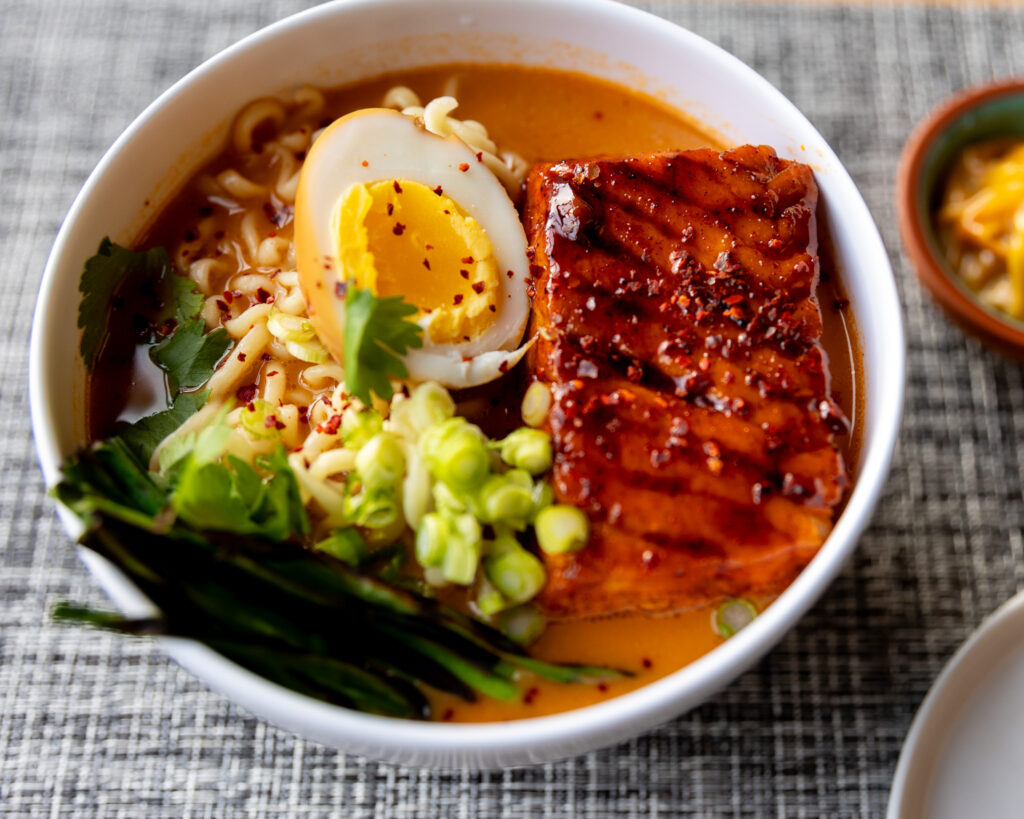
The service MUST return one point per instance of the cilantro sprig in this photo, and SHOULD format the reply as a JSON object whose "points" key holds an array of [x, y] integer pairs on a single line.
{"points": [[377, 333]]}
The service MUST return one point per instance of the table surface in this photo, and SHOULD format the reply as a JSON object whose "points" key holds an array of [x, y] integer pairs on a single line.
{"points": [[93, 725]]}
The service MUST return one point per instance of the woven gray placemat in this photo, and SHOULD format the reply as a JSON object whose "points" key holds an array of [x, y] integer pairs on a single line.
{"points": [[97, 726]]}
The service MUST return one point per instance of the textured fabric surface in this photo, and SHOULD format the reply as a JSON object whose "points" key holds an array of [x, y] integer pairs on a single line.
{"points": [[97, 726]]}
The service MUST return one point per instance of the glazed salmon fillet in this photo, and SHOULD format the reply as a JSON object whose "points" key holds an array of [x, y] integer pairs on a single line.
{"points": [[692, 419]]}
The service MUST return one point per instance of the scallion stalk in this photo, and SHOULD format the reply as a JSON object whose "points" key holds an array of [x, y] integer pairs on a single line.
{"points": [[528, 449], [536, 404], [380, 462], [732, 616], [515, 572], [561, 529]]}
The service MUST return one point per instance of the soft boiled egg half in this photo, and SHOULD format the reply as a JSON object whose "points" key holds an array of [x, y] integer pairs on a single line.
{"points": [[384, 204]]}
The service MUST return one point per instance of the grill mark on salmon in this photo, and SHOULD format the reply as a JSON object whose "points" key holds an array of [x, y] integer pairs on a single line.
{"points": [[691, 418]]}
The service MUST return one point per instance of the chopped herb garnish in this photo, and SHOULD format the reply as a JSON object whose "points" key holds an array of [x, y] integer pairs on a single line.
{"points": [[190, 355], [377, 333], [102, 276], [145, 435]]}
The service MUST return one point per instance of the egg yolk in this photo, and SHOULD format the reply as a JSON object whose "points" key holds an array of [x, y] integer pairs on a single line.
{"points": [[398, 237]]}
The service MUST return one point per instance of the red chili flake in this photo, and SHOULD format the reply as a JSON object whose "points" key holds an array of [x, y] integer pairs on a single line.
{"points": [[246, 393], [464, 274], [467, 260], [398, 229], [428, 247], [479, 156], [736, 298], [448, 714], [646, 663], [426, 263], [598, 115], [264, 356], [303, 414], [602, 687], [463, 166], [273, 423], [330, 426], [272, 373], [478, 287], [438, 190], [241, 356], [263, 297], [251, 407], [531, 253], [396, 186], [503, 366], [510, 274], [447, 212], [365, 164], [229, 296], [391, 208], [340, 289], [536, 270], [458, 298], [492, 308], [530, 696], [191, 235], [222, 306]]}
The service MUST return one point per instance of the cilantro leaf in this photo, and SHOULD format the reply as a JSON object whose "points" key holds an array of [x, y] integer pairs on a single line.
{"points": [[184, 297], [143, 437], [189, 355], [230, 496], [102, 276], [377, 333]]}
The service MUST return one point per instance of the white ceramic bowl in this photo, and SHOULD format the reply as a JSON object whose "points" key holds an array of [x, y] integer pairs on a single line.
{"points": [[350, 39]]}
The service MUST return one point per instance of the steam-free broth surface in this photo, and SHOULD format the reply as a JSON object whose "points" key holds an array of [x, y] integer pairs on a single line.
{"points": [[542, 115]]}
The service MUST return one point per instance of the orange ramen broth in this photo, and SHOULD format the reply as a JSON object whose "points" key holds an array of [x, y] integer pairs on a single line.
{"points": [[542, 115]]}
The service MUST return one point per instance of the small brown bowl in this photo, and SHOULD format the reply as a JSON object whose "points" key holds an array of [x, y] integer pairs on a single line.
{"points": [[987, 111]]}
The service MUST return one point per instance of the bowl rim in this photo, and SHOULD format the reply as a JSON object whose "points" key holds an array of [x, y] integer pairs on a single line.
{"points": [[990, 326], [558, 735]]}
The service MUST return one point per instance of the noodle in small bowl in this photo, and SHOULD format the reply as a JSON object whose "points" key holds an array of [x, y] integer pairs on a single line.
{"points": [[353, 40]]}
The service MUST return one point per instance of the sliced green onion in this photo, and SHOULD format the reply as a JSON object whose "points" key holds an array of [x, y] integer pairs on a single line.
{"points": [[432, 536], [732, 616], [561, 529], [372, 508], [287, 327], [505, 501], [446, 500], [430, 404], [489, 600], [380, 462], [536, 404], [456, 454], [528, 449], [312, 351], [359, 426], [515, 572], [462, 557], [543, 496], [524, 624], [258, 418], [345, 544]]}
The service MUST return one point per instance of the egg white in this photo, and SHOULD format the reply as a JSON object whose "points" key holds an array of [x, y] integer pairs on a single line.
{"points": [[379, 144]]}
